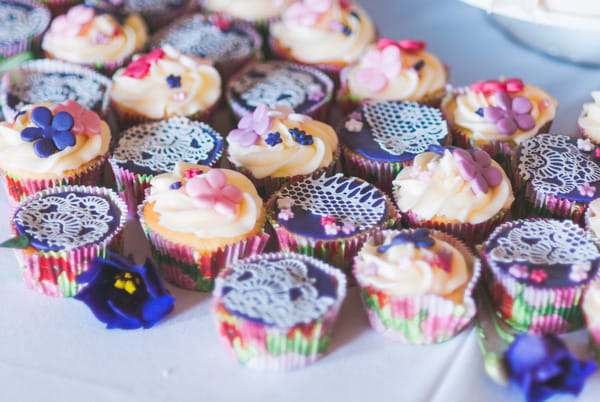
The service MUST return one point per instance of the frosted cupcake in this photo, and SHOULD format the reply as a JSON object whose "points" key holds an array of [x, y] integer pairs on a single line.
{"points": [[259, 12], [591, 312], [198, 220], [147, 150], [589, 121], [60, 230], [289, 325], [92, 37], [329, 34], [276, 146], [498, 116], [23, 22], [165, 83], [558, 176], [462, 192], [157, 13], [394, 71], [537, 272], [380, 138], [329, 217], [417, 285], [52, 144]]}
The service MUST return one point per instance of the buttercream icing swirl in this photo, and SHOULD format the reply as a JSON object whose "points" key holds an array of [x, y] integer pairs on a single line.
{"points": [[253, 10], [589, 121]]}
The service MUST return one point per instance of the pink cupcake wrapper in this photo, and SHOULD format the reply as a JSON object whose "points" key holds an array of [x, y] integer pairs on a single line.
{"points": [[554, 205], [131, 186]]}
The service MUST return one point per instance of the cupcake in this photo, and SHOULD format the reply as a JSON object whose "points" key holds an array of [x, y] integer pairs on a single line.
{"points": [[52, 144], [23, 22], [380, 138], [394, 71], [498, 116], [537, 271], [558, 176], [417, 285], [329, 217], [60, 230], [589, 120], [462, 192], [258, 12], [591, 313], [95, 38], [165, 83], [157, 13], [230, 45], [276, 311], [198, 220], [54, 81], [329, 34], [592, 219], [306, 90], [276, 146], [147, 150]]}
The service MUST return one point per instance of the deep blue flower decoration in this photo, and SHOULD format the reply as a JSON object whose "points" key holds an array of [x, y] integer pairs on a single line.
{"points": [[52, 133], [173, 81], [543, 366], [124, 295], [300, 136], [273, 139], [419, 238]]}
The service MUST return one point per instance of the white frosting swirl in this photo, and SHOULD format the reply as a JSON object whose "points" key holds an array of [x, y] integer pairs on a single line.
{"points": [[129, 38], [433, 188], [18, 156], [594, 216], [589, 121], [252, 10], [591, 305], [320, 43]]}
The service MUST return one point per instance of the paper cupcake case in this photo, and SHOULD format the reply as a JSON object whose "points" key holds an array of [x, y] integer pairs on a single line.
{"points": [[54, 273], [130, 186], [277, 349], [106, 68]]}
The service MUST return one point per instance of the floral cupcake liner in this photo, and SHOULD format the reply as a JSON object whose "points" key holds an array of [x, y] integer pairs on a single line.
{"points": [[131, 186], [272, 348], [54, 272], [531, 203], [33, 42], [424, 319]]}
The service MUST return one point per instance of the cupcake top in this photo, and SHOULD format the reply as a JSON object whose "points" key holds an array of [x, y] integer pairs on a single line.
{"points": [[543, 253], [51, 139], [453, 184], [54, 81], [252, 10], [500, 110], [88, 35], [593, 217], [206, 203], [149, 8], [589, 121], [393, 131], [155, 148], [400, 70], [217, 41], [324, 31], [412, 263], [294, 289], [280, 143], [556, 164], [21, 20], [279, 83], [325, 208], [65, 218], [166, 83]]}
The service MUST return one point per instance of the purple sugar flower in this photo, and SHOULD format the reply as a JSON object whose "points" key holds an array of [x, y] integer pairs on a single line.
{"points": [[476, 168], [419, 237], [50, 133], [510, 114], [252, 126]]}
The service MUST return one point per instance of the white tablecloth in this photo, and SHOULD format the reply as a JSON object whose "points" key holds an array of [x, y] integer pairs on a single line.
{"points": [[53, 349]]}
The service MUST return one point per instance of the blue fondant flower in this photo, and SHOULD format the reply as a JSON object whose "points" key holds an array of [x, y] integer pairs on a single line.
{"points": [[174, 81], [124, 295], [419, 238], [50, 133], [543, 366], [300, 136], [273, 139]]}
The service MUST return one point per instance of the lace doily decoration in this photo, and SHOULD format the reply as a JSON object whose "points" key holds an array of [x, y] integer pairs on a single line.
{"points": [[20, 21], [275, 293], [152, 6], [544, 242], [67, 220], [405, 127], [199, 37], [159, 146], [555, 165], [346, 199]]}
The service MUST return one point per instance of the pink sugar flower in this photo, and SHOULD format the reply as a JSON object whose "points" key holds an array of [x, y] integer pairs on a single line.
{"points": [[72, 23], [408, 45], [586, 189], [538, 276], [348, 227], [210, 190], [354, 126], [306, 12], [140, 67], [519, 271], [84, 121], [477, 168], [511, 85], [378, 67], [332, 229], [252, 126], [285, 214]]}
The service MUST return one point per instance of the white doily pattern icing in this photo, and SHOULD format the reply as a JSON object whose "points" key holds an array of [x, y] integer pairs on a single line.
{"points": [[152, 6], [400, 127], [544, 242], [278, 293], [19, 21], [555, 165], [67, 221], [159, 146], [346, 199]]}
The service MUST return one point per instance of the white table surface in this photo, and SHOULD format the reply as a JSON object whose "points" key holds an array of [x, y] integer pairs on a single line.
{"points": [[54, 350]]}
